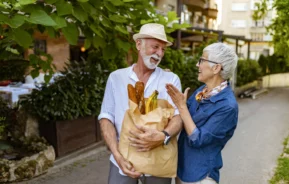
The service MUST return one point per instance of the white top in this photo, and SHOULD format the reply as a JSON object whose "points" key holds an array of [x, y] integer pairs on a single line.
{"points": [[115, 101]]}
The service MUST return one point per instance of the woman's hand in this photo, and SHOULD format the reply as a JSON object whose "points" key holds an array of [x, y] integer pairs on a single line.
{"points": [[179, 99]]}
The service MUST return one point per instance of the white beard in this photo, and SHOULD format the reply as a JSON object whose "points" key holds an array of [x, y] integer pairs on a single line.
{"points": [[147, 60]]}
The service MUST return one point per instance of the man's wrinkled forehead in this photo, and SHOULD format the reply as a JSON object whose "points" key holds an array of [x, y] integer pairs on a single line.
{"points": [[155, 42]]}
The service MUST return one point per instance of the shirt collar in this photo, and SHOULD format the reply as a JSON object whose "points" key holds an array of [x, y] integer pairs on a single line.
{"points": [[133, 75]]}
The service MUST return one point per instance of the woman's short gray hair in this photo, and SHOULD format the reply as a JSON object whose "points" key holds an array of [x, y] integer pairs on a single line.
{"points": [[225, 55]]}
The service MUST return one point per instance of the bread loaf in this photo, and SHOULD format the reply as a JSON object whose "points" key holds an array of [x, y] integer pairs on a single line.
{"points": [[139, 90], [132, 93]]}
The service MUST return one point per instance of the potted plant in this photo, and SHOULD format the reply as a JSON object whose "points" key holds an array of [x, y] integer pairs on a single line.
{"points": [[66, 108]]}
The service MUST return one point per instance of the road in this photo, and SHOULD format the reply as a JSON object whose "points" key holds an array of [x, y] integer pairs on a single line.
{"points": [[249, 157]]}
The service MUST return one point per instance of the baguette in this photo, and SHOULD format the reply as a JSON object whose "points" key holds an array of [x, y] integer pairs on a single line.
{"points": [[139, 90], [132, 93]]}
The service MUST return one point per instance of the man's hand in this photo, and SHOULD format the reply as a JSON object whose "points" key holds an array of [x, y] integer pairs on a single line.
{"points": [[127, 168], [146, 139]]}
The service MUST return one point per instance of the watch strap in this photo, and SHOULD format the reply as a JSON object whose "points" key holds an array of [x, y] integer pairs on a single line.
{"points": [[166, 133]]}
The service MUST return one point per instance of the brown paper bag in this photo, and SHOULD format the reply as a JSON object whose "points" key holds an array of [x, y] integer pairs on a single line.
{"points": [[161, 161]]}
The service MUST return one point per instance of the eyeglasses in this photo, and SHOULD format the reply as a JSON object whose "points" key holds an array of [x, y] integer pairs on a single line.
{"points": [[202, 59]]}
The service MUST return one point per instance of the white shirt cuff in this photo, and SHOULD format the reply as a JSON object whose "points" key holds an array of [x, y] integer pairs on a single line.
{"points": [[107, 116]]}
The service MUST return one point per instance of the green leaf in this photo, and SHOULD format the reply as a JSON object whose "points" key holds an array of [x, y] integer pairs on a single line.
{"points": [[88, 8], [82, 1], [116, 2], [127, 1], [106, 22], [142, 22], [41, 17], [79, 13], [3, 18], [118, 18], [87, 43], [16, 21], [60, 21], [31, 8], [172, 16], [121, 29], [34, 73], [110, 7], [51, 32], [122, 45], [63, 8], [26, 2], [94, 28], [98, 42], [51, 1], [71, 33], [22, 37], [110, 52]]}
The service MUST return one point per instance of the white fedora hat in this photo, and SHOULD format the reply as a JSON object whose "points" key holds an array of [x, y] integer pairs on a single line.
{"points": [[152, 30]]}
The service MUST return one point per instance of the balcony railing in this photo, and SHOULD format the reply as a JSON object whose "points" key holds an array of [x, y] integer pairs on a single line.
{"points": [[211, 13], [195, 5]]}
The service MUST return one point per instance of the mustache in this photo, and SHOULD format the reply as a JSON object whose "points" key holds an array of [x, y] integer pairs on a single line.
{"points": [[156, 57]]}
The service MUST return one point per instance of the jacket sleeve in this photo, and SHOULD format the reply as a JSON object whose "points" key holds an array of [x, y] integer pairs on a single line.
{"points": [[219, 128]]}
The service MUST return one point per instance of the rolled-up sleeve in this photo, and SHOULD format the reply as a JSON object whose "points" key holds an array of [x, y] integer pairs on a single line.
{"points": [[219, 128], [177, 83], [108, 103]]}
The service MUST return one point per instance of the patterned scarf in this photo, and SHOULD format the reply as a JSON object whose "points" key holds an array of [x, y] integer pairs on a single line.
{"points": [[205, 93]]}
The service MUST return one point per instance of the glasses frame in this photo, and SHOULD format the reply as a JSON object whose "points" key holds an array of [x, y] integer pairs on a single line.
{"points": [[201, 60]]}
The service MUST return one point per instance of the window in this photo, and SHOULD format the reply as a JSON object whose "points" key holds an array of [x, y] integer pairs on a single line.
{"points": [[257, 36], [269, 4], [39, 46], [258, 23], [267, 37], [239, 6], [238, 23]]}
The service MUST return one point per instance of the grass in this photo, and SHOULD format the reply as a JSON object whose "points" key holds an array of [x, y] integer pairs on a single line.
{"points": [[281, 174]]}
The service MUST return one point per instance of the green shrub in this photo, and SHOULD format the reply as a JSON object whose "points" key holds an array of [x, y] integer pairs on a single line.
{"points": [[247, 71], [273, 64], [13, 69], [77, 93], [96, 57], [182, 65]]}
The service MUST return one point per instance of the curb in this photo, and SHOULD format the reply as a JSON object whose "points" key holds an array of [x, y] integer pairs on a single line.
{"points": [[93, 149]]}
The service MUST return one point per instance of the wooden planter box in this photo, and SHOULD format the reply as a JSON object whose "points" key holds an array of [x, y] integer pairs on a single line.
{"points": [[69, 135]]}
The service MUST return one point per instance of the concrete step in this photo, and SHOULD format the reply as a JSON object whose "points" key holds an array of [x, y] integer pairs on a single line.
{"points": [[258, 92]]}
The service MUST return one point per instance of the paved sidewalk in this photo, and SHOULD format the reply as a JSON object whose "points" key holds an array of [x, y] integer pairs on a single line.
{"points": [[249, 158], [90, 170]]}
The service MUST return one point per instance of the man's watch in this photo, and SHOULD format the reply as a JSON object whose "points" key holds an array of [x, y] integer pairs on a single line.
{"points": [[167, 138]]}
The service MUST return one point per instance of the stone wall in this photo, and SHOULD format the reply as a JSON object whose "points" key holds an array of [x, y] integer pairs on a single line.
{"points": [[27, 167]]}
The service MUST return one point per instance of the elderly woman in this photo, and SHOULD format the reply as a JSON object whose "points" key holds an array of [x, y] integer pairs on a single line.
{"points": [[209, 117]]}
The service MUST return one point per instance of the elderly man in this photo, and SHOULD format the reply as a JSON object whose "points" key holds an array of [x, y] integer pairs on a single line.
{"points": [[151, 43]]}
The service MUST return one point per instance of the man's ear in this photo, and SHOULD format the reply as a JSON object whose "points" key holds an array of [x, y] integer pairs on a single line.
{"points": [[138, 44]]}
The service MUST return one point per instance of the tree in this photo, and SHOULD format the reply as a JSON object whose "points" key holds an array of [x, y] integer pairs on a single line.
{"points": [[279, 28], [107, 25]]}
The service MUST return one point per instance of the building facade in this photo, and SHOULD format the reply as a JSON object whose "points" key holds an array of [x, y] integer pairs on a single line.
{"points": [[237, 19]]}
